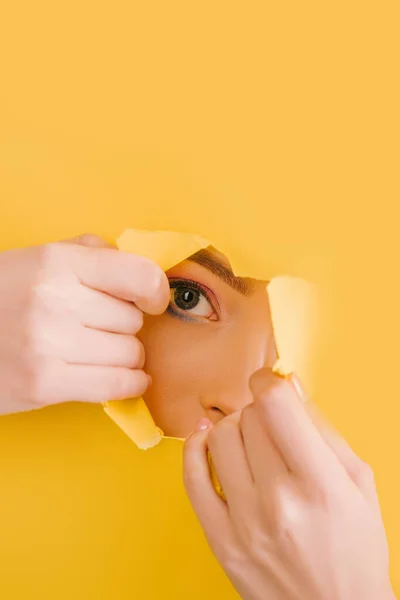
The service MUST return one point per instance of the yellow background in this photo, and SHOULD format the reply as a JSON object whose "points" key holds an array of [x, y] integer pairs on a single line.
{"points": [[271, 126]]}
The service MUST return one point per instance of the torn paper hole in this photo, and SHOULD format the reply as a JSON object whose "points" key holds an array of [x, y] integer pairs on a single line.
{"points": [[293, 307]]}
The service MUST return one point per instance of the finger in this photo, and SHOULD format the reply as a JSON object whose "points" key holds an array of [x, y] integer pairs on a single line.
{"points": [[228, 457], [82, 383], [210, 509], [266, 463], [330, 436], [334, 440], [89, 240], [101, 311], [125, 276], [298, 387], [359, 472], [291, 429], [349, 459], [93, 347]]}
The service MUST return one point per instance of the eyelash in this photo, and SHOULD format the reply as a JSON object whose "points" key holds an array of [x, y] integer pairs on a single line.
{"points": [[175, 282]]}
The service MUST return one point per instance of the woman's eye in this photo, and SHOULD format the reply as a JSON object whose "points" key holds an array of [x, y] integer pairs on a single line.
{"points": [[188, 299]]}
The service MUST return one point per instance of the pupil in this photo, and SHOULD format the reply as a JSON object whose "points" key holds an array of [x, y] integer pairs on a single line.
{"points": [[185, 298]]}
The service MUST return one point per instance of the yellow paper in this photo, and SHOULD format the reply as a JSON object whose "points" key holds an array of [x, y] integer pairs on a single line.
{"points": [[134, 418], [293, 311], [295, 319], [214, 478], [167, 249], [295, 172]]}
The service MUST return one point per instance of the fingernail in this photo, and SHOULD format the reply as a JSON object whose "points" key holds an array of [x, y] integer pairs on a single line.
{"points": [[299, 389], [262, 380], [150, 379], [203, 425]]}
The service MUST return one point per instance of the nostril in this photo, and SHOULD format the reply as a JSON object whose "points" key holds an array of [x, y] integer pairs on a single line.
{"points": [[218, 410]]}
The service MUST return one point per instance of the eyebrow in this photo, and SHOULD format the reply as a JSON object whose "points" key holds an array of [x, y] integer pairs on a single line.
{"points": [[206, 259]]}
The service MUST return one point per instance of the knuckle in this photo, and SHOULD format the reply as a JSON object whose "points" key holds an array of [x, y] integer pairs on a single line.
{"points": [[90, 239], [121, 385], [220, 429], [149, 282], [137, 353], [139, 383], [284, 535], [286, 514], [41, 302], [34, 330], [246, 416], [137, 320], [223, 429], [234, 559], [41, 383], [129, 384], [258, 541], [282, 532], [213, 435], [157, 286], [363, 474], [321, 494], [195, 449], [53, 254], [230, 421], [56, 259]]}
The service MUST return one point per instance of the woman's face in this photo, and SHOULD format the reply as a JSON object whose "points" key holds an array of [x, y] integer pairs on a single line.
{"points": [[202, 351]]}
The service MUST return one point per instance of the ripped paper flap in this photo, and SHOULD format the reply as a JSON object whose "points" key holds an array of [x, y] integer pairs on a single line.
{"points": [[294, 314]]}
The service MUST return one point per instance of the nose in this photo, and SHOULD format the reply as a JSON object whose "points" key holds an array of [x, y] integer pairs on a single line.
{"points": [[232, 391], [224, 405]]}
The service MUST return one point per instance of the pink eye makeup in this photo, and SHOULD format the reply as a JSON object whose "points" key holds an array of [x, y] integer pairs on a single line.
{"points": [[192, 302]]}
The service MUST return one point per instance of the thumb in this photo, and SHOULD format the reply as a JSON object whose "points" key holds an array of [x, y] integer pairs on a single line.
{"points": [[89, 240]]}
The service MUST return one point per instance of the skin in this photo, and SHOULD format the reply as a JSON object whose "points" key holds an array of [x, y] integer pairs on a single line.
{"points": [[70, 313], [301, 518], [201, 359]]}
